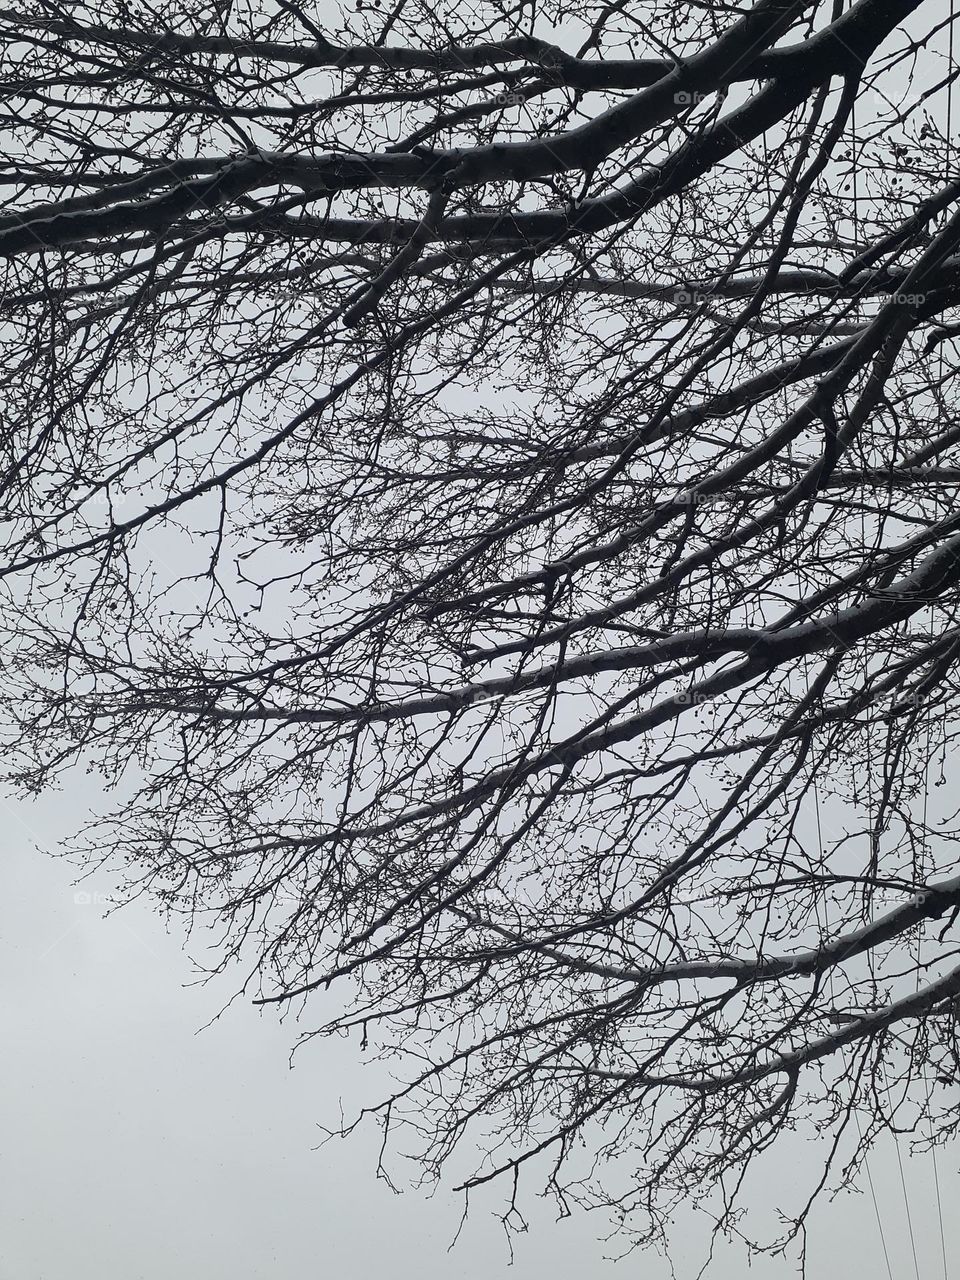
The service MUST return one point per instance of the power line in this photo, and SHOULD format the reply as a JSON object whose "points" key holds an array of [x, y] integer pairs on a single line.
{"points": [[876, 1207], [936, 1183], [906, 1205]]}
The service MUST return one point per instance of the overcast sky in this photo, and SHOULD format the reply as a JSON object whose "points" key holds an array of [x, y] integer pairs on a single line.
{"points": [[138, 1147]]}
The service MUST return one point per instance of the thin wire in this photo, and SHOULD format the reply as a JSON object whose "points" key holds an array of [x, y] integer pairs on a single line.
{"points": [[926, 791], [876, 1207], [873, 835], [869, 744], [950, 65], [906, 1205], [936, 1183], [933, 1145]]}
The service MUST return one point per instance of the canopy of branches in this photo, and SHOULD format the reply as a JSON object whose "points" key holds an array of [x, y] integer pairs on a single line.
{"points": [[481, 483]]}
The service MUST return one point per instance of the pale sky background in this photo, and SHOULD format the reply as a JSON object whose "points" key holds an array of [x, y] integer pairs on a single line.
{"points": [[137, 1147], [134, 1146]]}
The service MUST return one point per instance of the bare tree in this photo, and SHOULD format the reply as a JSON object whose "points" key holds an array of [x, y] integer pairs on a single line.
{"points": [[488, 475]]}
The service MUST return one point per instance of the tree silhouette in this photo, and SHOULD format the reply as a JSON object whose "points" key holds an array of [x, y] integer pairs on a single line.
{"points": [[488, 476]]}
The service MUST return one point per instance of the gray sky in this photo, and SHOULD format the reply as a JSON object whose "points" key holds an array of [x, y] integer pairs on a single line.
{"points": [[135, 1148]]}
